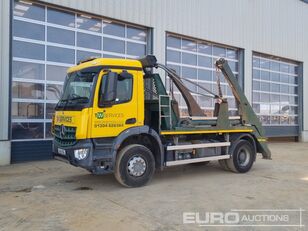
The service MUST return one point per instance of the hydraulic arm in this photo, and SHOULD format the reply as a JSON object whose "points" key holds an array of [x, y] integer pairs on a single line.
{"points": [[192, 106], [246, 112]]}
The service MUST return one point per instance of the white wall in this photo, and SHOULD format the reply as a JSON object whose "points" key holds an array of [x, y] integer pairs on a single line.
{"points": [[4, 81]]}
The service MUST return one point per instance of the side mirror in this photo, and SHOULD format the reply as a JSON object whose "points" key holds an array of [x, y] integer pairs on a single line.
{"points": [[109, 88]]}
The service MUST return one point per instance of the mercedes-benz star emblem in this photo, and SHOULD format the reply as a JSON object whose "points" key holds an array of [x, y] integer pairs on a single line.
{"points": [[62, 132]]}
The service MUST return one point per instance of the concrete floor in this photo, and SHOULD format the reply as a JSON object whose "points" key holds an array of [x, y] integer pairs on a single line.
{"points": [[52, 195]]}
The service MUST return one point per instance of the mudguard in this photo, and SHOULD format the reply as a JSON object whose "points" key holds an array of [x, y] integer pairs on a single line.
{"points": [[137, 131]]}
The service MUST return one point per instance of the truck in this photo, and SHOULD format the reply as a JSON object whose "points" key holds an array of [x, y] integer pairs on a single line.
{"points": [[116, 116]]}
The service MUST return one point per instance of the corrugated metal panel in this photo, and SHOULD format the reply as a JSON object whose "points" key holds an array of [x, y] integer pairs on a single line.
{"points": [[31, 150], [279, 131], [4, 67], [256, 24]]}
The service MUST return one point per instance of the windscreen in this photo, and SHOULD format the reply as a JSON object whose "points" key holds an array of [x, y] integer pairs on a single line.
{"points": [[78, 88]]}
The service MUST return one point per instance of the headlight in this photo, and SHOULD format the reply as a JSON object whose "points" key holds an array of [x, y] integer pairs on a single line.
{"points": [[81, 154]]}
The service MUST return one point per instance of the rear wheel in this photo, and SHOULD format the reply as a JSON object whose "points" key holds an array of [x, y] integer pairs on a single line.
{"points": [[135, 166], [243, 156]]}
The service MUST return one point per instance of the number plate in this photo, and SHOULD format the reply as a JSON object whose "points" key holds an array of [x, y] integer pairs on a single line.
{"points": [[61, 151]]}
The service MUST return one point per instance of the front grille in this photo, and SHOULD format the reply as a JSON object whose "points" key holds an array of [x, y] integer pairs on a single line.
{"points": [[65, 135]]}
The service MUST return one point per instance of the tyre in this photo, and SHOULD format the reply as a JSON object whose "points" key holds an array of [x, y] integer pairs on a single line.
{"points": [[243, 155], [135, 166]]}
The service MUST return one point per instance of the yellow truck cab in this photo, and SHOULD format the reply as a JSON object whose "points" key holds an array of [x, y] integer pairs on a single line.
{"points": [[115, 116]]}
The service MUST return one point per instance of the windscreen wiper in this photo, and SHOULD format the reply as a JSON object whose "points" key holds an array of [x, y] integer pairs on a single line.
{"points": [[60, 103], [79, 98], [67, 101]]}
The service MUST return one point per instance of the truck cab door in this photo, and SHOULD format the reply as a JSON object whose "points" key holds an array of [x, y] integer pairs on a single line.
{"points": [[113, 115]]}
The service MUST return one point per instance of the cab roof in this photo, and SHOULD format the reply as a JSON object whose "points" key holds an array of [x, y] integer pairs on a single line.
{"points": [[108, 62]]}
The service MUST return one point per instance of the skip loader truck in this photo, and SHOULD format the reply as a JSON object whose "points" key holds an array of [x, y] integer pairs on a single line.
{"points": [[116, 116]]}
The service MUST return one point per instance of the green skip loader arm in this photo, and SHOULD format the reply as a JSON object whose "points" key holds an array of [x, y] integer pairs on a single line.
{"points": [[246, 112]]}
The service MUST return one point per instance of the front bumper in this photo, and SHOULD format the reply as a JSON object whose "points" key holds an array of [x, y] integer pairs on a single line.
{"points": [[98, 161]]}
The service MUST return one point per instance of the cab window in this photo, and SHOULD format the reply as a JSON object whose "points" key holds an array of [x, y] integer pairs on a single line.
{"points": [[124, 88]]}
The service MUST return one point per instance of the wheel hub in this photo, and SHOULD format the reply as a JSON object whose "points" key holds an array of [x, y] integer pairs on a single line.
{"points": [[136, 166], [243, 157]]}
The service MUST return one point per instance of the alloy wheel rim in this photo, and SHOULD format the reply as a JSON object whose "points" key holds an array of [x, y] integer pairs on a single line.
{"points": [[136, 166]]}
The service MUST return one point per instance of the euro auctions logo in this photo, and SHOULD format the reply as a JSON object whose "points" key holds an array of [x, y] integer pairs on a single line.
{"points": [[211, 218], [247, 218]]}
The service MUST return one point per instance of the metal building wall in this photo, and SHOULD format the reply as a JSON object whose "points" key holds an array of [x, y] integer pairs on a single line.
{"points": [[4, 81], [277, 27]]}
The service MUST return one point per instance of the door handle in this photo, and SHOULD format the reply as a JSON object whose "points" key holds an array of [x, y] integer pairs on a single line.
{"points": [[130, 121]]}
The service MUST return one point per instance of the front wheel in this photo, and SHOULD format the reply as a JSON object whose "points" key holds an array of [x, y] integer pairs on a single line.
{"points": [[243, 156], [135, 166]]}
